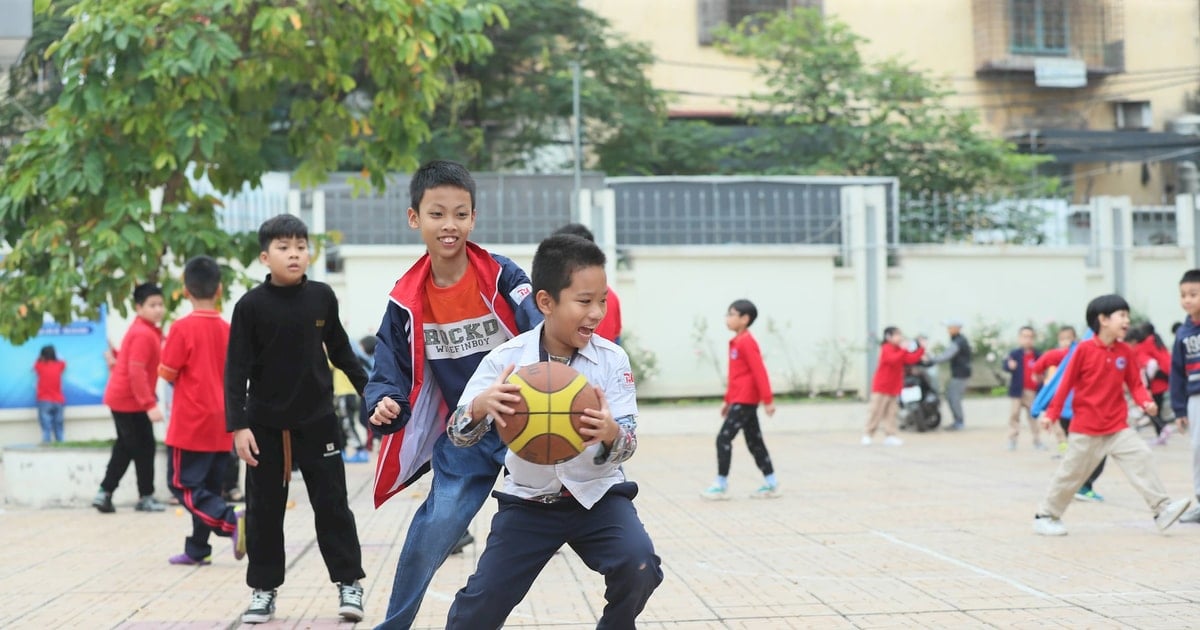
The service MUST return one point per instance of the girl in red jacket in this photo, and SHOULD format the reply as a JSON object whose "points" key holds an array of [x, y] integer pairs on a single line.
{"points": [[1154, 360], [886, 386]]}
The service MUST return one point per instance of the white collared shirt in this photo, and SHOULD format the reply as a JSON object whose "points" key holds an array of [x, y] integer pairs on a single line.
{"points": [[590, 475]]}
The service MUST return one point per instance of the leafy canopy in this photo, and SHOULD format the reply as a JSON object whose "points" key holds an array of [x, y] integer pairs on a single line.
{"points": [[156, 94], [828, 110]]}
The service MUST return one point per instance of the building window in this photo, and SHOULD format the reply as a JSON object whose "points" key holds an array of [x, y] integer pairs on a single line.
{"points": [[1040, 27], [713, 13]]}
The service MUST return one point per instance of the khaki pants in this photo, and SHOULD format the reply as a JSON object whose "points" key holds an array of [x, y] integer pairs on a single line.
{"points": [[1014, 417], [1084, 452], [881, 409]]}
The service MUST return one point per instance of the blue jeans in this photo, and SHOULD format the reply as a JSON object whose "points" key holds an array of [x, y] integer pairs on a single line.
{"points": [[462, 480], [50, 416]]}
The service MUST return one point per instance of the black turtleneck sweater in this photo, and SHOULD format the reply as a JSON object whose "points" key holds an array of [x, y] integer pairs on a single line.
{"points": [[276, 372]]}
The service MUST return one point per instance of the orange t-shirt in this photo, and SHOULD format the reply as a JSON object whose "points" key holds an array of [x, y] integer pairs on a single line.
{"points": [[458, 324]]}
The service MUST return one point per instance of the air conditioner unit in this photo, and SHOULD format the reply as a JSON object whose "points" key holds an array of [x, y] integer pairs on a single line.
{"points": [[1133, 115], [1187, 124]]}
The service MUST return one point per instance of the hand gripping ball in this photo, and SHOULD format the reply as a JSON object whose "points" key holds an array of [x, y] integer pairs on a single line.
{"points": [[544, 428]]}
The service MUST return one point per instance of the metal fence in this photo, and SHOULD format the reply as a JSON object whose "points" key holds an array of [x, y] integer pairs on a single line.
{"points": [[730, 210], [512, 209]]}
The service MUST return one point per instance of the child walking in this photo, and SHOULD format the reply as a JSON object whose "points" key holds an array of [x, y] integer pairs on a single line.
{"points": [[279, 406], [748, 386], [50, 399], [1098, 373], [1022, 388], [586, 502], [130, 395], [1185, 377], [886, 385], [198, 447]]}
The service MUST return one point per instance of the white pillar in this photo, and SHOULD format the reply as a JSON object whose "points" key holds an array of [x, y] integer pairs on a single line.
{"points": [[317, 268]]}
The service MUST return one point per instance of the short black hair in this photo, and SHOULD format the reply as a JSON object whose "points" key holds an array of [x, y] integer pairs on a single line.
{"points": [[558, 256], [201, 277], [368, 344], [746, 307], [47, 353], [439, 173], [1189, 276], [578, 229], [1175, 327], [1070, 328], [144, 291], [280, 226], [1104, 305], [1029, 328], [888, 332], [1135, 334]]}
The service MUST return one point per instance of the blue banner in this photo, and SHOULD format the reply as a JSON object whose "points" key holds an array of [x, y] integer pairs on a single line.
{"points": [[80, 344]]}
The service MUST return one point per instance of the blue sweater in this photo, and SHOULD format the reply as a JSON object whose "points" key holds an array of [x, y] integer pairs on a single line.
{"points": [[1185, 366], [1016, 384]]}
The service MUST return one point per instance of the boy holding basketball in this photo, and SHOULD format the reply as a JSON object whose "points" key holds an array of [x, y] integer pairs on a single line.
{"points": [[585, 502], [452, 307]]}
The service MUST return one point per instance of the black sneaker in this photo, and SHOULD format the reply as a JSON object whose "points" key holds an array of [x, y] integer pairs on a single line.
{"points": [[466, 539], [149, 504], [350, 601], [262, 607], [103, 502]]}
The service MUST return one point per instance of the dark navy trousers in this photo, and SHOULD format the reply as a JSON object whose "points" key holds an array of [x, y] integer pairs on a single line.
{"points": [[195, 480], [609, 538]]}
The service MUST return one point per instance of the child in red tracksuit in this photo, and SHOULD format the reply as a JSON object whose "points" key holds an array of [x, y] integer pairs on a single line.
{"points": [[748, 386], [886, 386]]}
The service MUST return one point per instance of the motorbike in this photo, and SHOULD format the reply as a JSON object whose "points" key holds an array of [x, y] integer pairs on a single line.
{"points": [[920, 404]]}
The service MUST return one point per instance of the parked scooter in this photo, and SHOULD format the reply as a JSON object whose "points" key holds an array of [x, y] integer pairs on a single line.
{"points": [[919, 404]]}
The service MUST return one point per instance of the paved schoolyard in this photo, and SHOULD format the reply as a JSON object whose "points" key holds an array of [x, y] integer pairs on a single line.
{"points": [[935, 533]]}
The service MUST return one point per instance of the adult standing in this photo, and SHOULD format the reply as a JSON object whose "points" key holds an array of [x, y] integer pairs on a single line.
{"points": [[958, 355]]}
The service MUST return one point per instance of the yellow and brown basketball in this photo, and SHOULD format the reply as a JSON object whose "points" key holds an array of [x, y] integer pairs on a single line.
{"points": [[544, 428]]}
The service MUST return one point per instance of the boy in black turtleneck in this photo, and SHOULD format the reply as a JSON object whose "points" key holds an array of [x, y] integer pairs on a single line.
{"points": [[279, 406]]}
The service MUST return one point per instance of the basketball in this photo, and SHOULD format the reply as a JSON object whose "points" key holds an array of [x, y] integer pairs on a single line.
{"points": [[544, 427]]}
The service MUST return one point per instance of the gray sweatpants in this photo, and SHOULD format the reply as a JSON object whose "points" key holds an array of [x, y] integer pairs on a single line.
{"points": [[1193, 417], [956, 389]]}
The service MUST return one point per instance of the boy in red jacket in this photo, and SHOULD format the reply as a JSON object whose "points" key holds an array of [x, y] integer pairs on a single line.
{"points": [[886, 386], [1098, 373], [198, 446], [748, 386], [131, 397]]}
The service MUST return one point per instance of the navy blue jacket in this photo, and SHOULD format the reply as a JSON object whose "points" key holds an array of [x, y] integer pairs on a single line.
{"points": [[1185, 367], [1016, 384]]}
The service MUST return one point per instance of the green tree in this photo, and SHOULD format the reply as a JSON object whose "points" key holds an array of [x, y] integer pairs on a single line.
{"points": [[503, 107], [156, 94], [828, 110], [34, 81]]}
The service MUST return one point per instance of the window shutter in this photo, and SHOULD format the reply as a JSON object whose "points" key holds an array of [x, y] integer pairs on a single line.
{"points": [[710, 14]]}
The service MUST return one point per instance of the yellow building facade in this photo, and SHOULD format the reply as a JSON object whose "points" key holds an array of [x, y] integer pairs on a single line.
{"points": [[1096, 83]]}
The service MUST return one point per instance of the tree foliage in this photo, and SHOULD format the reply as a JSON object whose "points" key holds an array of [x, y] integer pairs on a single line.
{"points": [[828, 110], [159, 94], [504, 107]]}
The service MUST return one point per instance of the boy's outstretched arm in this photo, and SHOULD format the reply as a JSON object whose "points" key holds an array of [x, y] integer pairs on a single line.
{"points": [[341, 354]]}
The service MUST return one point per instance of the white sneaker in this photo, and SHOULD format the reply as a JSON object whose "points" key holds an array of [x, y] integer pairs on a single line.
{"points": [[892, 440], [866, 440], [1048, 526], [1191, 516], [715, 493], [1171, 513]]}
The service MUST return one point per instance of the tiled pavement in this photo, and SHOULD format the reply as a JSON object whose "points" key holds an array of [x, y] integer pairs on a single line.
{"points": [[935, 533]]}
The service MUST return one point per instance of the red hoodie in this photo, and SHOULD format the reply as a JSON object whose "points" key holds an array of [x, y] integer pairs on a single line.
{"points": [[1146, 350], [889, 375]]}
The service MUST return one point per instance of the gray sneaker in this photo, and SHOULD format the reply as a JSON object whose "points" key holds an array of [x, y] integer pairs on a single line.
{"points": [[149, 504], [350, 601], [103, 502], [1191, 516], [1171, 513]]}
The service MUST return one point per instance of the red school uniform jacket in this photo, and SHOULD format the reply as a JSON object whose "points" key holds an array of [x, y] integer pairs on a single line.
{"points": [[1146, 350], [194, 360], [748, 382], [131, 384], [49, 381], [1098, 375], [889, 375]]}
